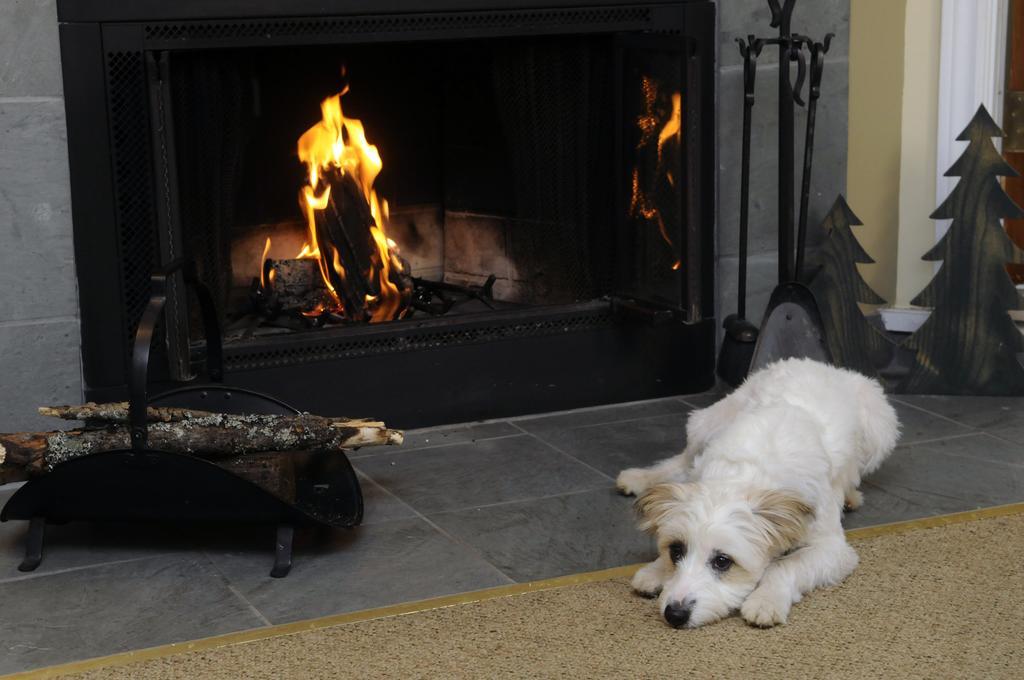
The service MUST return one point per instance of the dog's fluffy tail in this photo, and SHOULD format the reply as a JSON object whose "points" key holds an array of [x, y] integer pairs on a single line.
{"points": [[880, 426]]}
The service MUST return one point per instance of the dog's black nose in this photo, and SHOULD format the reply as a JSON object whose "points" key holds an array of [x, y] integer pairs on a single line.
{"points": [[677, 614]]}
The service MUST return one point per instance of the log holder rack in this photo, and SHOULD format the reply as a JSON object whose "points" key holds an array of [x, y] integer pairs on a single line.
{"points": [[145, 484]]}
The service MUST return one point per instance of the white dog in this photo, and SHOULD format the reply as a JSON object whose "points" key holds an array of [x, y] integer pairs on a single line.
{"points": [[748, 517]]}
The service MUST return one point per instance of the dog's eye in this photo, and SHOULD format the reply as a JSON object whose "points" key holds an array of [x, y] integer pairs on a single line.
{"points": [[677, 551], [721, 562]]}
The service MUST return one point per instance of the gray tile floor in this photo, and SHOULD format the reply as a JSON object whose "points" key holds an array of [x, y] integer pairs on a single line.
{"points": [[455, 509]]}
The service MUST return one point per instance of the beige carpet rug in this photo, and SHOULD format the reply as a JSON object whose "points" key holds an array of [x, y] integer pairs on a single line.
{"points": [[927, 601]]}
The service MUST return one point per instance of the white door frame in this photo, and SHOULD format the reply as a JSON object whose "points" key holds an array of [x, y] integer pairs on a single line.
{"points": [[972, 65]]}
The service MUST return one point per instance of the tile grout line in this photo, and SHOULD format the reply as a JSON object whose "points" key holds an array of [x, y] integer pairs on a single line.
{"points": [[768, 64], [1000, 440], [552, 414], [364, 478], [32, 99], [698, 407], [1003, 439], [435, 446], [473, 549], [962, 435], [900, 487], [19, 323], [567, 455], [524, 500], [68, 570], [515, 423], [616, 422], [235, 591], [609, 486], [252, 608], [971, 457], [932, 413], [591, 409]]}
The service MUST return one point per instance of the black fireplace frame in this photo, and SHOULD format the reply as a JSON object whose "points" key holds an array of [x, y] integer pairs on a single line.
{"points": [[436, 370]]}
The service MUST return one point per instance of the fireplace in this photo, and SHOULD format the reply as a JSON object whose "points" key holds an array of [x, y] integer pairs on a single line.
{"points": [[424, 215]]}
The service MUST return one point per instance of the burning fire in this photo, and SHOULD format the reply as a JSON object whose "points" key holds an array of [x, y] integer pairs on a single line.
{"points": [[336, 147], [668, 132]]}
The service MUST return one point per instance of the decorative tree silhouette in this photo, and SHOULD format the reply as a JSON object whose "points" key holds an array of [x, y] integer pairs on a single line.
{"points": [[837, 286], [969, 344]]}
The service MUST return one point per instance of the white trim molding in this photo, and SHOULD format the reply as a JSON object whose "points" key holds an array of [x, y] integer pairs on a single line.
{"points": [[909, 319], [972, 67]]}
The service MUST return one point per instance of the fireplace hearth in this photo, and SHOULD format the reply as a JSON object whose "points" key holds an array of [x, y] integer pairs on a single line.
{"points": [[424, 215]]}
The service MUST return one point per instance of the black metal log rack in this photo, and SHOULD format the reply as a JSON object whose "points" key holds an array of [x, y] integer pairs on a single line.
{"points": [[148, 485]]}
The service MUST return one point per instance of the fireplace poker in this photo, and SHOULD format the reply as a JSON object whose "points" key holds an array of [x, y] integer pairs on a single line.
{"points": [[741, 335], [818, 50], [781, 19]]}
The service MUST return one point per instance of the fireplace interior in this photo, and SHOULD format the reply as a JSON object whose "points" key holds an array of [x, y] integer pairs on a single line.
{"points": [[495, 164], [461, 216]]}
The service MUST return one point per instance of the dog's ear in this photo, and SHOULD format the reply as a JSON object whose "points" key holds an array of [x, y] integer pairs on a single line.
{"points": [[658, 501], [782, 516]]}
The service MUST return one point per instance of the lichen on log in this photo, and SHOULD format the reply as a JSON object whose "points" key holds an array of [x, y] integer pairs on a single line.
{"points": [[215, 436]]}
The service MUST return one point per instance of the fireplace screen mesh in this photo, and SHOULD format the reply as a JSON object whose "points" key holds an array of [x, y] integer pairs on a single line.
{"points": [[132, 166], [515, 173]]}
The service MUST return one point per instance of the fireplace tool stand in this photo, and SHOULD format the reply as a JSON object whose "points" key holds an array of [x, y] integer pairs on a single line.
{"points": [[146, 484], [792, 325]]}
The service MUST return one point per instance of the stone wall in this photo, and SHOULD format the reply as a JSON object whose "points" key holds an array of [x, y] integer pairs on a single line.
{"points": [[39, 334]]}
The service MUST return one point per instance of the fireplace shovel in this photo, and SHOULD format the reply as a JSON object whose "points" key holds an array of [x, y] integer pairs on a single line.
{"points": [[792, 325], [740, 335]]}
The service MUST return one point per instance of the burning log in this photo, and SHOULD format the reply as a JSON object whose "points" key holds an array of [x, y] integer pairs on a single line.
{"points": [[296, 285], [205, 435], [354, 271], [344, 225], [367, 279], [347, 225]]}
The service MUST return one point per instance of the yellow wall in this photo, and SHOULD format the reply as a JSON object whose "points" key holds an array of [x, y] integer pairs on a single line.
{"points": [[894, 80], [918, 149], [877, 36]]}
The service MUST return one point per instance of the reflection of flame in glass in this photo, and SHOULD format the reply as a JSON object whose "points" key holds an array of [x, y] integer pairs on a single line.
{"points": [[668, 132]]}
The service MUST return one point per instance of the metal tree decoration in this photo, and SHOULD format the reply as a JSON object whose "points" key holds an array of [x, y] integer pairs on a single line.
{"points": [[837, 286], [969, 344]]}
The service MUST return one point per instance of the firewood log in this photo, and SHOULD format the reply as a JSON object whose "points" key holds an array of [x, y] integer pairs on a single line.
{"points": [[298, 286], [270, 471], [210, 436], [343, 228], [117, 412]]}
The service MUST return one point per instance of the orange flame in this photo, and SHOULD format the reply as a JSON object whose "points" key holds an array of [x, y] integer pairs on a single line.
{"points": [[671, 131], [339, 144]]}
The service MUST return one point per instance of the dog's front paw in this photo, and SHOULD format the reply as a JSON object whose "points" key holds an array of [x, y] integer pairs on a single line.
{"points": [[634, 481], [766, 607], [852, 500], [647, 581]]}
